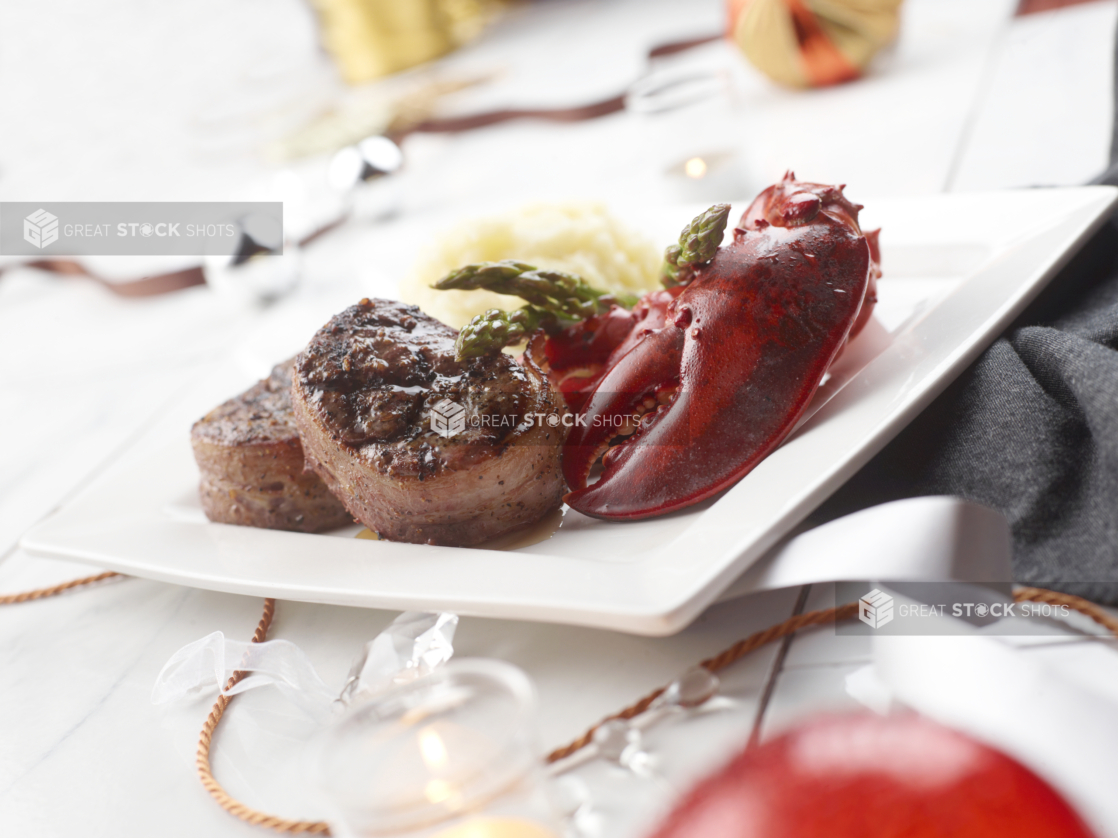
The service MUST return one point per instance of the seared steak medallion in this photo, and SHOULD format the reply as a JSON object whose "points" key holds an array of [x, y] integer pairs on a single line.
{"points": [[366, 392], [251, 460]]}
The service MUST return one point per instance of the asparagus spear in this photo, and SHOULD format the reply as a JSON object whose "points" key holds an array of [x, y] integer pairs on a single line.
{"points": [[554, 298], [562, 294], [489, 333], [698, 242]]}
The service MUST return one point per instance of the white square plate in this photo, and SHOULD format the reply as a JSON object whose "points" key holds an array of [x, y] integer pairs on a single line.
{"points": [[958, 268]]}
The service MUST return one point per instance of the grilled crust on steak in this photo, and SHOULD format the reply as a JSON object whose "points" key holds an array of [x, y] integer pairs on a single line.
{"points": [[362, 394], [251, 460]]}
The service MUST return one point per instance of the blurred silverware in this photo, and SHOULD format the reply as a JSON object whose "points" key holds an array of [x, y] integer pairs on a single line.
{"points": [[264, 265]]}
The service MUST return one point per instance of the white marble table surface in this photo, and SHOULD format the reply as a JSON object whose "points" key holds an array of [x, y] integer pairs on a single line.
{"points": [[102, 107]]}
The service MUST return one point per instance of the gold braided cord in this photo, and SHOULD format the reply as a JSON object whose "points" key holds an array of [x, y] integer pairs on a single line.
{"points": [[258, 818], [40, 593], [720, 661], [1075, 603], [205, 771], [723, 659]]}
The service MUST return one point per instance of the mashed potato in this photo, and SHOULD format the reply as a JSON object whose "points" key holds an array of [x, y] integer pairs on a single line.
{"points": [[582, 239]]}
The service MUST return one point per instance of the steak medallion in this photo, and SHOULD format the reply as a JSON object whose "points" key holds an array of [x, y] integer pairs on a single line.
{"points": [[251, 460], [421, 447]]}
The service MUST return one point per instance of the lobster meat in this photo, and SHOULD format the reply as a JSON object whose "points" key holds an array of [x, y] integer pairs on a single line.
{"points": [[704, 379]]}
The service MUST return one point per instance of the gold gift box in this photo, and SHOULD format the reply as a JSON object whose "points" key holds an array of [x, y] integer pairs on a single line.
{"points": [[372, 38]]}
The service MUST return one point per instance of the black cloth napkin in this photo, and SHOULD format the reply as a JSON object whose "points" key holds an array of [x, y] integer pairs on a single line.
{"points": [[1031, 429]]}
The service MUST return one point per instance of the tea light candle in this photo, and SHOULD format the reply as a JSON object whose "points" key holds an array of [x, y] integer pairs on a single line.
{"points": [[708, 176], [497, 828], [451, 755]]}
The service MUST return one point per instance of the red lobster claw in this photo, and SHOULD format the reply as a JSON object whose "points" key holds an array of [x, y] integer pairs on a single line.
{"points": [[582, 353], [720, 380]]}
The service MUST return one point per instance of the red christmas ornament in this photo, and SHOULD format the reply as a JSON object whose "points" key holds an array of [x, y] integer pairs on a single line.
{"points": [[868, 776]]}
